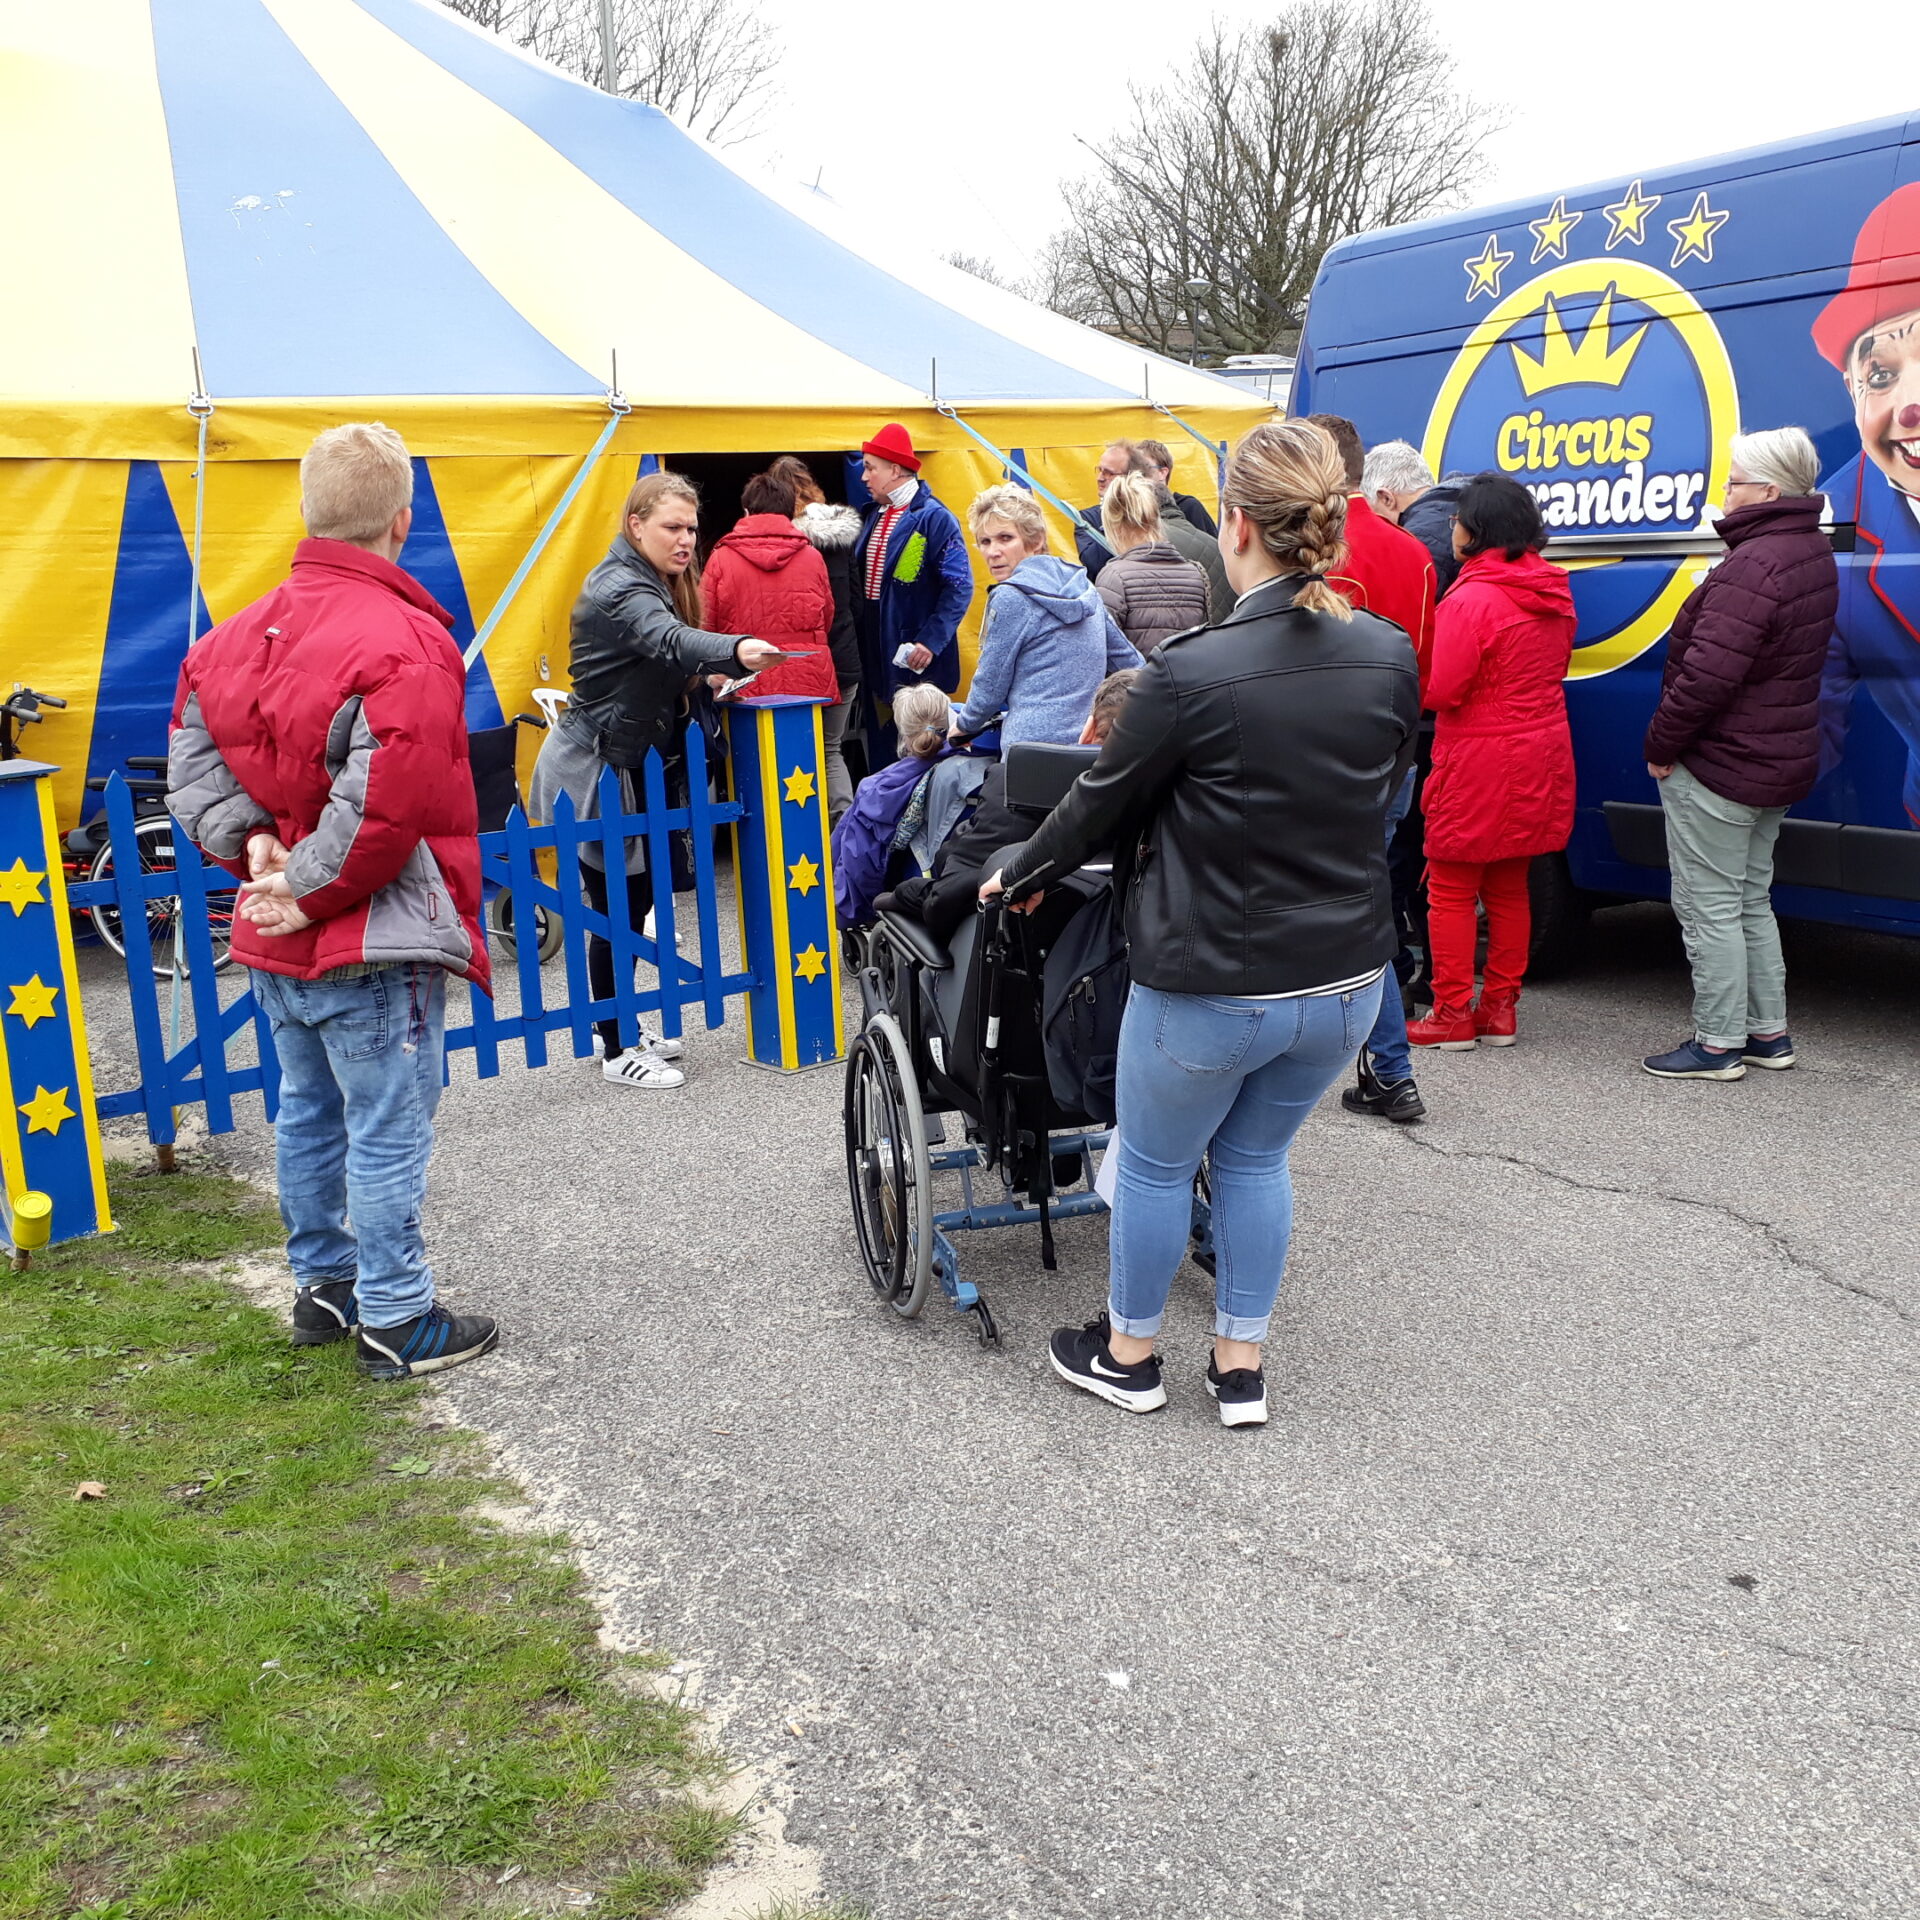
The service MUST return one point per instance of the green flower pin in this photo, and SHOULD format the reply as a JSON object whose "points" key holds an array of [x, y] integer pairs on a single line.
{"points": [[907, 568]]}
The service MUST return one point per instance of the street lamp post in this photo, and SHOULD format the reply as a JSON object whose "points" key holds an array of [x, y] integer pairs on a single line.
{"points": [[609, 53]]}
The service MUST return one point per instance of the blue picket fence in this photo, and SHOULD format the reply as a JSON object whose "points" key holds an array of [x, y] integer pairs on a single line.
{"points": [[179, 1068]]}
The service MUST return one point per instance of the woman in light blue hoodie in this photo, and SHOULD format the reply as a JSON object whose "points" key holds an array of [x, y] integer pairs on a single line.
{"points": [[1049, 640]]}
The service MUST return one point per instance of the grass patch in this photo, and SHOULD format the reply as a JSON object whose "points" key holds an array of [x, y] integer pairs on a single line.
{"points": [[278, 1669]]}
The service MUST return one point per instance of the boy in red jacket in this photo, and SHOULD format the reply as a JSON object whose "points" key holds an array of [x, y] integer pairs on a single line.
{"points": [[319, 753]]}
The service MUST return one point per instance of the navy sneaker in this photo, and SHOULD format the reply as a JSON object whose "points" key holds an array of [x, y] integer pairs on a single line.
{"points": [[1241, 1392], [429, 1343], [323, 1313], [1692, 1061], [1082, 1358], [1772, 1054]]}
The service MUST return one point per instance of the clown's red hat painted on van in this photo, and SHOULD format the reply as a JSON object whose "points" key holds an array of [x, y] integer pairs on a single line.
{"points": [[1885, 279]]}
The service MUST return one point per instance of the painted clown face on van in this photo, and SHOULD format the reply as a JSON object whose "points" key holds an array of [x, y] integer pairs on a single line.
{"points": [[1883, 375]]}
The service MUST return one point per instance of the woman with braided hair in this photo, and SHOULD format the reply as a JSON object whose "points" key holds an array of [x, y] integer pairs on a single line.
{"points": [[1245, 784]]}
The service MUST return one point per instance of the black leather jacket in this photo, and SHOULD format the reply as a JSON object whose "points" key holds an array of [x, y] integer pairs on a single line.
{"points": [[632, 657], [1253, 761]]}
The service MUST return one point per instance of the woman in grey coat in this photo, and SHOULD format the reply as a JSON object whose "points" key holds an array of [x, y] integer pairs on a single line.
{"points": [[1152, 590]]}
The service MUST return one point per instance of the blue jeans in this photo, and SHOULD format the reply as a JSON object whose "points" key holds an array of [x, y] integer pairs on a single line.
{"points": [[1387, 1043], [1238, 1076], [360, 1071]]}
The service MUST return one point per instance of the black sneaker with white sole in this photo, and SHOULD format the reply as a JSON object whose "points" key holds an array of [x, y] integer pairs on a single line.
{"points": [[324, 1313], [429, 1343], [1082, 1357], [1241, 1392]]}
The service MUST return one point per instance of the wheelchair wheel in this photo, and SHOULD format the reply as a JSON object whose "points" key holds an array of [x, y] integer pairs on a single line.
{"points": [[501, 925], [153, 838], [889, 1178]]}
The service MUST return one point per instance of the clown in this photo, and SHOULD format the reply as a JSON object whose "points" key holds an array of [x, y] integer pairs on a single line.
{"points": [[1870, 331]]}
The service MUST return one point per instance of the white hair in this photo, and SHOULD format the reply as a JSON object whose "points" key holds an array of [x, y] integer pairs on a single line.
{"points": [[1395, 466], [1782, 457]]}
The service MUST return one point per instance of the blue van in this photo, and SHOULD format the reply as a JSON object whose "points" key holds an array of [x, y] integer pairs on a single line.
{"points": [[1602, 349]]}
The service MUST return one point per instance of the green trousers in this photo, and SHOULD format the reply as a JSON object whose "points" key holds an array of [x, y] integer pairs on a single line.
{"points": [[1721, 855]]}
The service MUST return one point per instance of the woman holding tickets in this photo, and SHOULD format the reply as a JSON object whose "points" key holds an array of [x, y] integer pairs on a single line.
{"points": [[636, 648], [1247, 779]]}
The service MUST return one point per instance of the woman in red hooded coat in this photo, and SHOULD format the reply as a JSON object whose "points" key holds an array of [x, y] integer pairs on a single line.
{"points": [[1501, 790], [767, 577]]}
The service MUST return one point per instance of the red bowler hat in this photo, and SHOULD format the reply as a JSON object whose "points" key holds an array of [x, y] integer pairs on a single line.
{"points": [[1885, 279], [894, 443]]}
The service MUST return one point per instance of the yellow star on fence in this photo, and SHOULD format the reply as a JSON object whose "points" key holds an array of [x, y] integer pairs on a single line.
{"points": [[20, 887], [799, 787], [810, 963], [47, 1111], [33, 1000], [803, 876]]}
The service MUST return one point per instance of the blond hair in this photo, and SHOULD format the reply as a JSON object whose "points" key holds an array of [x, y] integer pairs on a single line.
{"points": [[921, 713], [1131, 504], [643, 502], [353, 480], [1017, 507], [1290, 484]]}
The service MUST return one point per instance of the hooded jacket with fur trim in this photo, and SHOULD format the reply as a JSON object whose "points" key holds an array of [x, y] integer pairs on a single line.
{"points": [[833, 531], [764, 578]]}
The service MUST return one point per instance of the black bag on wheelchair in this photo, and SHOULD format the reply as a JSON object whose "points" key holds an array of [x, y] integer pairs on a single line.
{"points": [[1086, 980]]}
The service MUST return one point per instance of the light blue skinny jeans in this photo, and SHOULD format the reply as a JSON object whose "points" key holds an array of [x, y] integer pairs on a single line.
{"points": [[1238, 1076], [360, 1072]]}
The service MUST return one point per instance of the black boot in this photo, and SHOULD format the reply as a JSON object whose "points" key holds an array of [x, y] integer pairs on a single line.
{"points": [[1396, 1100]]}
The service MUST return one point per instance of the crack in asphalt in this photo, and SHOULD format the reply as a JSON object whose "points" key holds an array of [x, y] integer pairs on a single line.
{"points": [[1773, 1235]]}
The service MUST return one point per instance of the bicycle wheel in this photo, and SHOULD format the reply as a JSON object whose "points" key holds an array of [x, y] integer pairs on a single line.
{"points": [[153, 837]]}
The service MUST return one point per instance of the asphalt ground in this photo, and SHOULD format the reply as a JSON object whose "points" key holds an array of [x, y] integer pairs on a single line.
{"points": [[1575, 1575]]}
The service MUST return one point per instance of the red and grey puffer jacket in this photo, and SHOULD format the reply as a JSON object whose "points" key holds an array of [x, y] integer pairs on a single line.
{"points": [[332, 713]]}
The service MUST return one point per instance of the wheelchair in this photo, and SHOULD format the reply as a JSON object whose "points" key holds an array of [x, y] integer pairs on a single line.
{"points": [[948, 1076]]}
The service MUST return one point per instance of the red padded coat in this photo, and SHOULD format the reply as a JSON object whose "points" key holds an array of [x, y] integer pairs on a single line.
{"points": [[1389, 573], [767, 579], [333, 712], [1502, 780]]}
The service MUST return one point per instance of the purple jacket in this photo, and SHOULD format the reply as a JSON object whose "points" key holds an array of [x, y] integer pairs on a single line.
{"points": [[1740, 699], [863, 839]]}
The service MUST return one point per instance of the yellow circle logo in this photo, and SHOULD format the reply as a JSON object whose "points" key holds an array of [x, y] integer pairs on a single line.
{"points": [[1604, 388]]}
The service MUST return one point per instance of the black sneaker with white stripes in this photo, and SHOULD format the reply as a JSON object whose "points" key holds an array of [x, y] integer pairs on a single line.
{"points": [[324, 1313], [1241, 1392], [429, 1343], [1082, 1357]]}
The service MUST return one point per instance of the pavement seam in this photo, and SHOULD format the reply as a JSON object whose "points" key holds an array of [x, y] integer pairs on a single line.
{"points": [[1774, 1236]]}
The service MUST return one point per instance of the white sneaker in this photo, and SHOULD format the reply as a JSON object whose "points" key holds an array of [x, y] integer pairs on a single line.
{"points": [[650, 1042], [679, 942], [645, 1070]]}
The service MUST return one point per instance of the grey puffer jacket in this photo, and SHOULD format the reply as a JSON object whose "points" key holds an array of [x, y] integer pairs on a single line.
{"points": [[1153, 592], [632, 658], [833, 531]]}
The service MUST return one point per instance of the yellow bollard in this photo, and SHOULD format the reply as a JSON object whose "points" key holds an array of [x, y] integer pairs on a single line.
{"points": [[31, 1226]]}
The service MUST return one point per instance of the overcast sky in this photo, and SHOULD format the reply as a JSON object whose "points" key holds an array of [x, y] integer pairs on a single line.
{"points": [[959, 139]]}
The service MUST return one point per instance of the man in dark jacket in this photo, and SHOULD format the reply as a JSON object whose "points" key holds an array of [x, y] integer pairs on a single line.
{"points": [[1735, 741], [319, 752], [1151, 460]]}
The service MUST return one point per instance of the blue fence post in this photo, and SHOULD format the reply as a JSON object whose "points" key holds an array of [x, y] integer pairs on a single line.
{"points": [[49, 1127], [783, 870], [522, 880]]}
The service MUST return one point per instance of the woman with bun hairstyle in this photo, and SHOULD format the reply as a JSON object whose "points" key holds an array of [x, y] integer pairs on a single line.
{"points": [[1246, 784], [1501, 789]]}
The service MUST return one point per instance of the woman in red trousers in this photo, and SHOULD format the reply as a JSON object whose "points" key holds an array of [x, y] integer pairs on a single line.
{"points": [[1501, 789]]}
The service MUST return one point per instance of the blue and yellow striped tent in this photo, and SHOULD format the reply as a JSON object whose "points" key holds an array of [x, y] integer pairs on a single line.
{"points": [[357, 209]]}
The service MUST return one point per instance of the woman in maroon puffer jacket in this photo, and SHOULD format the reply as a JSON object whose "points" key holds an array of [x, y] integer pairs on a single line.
{"points": [[1735, 741], [1501, 789]]}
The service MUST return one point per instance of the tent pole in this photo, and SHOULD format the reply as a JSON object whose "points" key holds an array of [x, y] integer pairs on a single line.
{"points": [[201, 408], [1217, 449], [609, 53]]}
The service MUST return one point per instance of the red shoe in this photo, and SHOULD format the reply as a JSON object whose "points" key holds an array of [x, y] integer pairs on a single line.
{"points": [[1444, 1027], [1493, 1020]]}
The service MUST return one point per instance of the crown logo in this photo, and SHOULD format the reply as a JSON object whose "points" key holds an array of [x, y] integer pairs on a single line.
{"points": [[1595, 362]]}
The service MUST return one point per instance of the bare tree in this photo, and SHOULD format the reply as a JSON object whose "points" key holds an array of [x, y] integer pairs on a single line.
{"points": [[980, 267], [709, 64], [1212, 209]]}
